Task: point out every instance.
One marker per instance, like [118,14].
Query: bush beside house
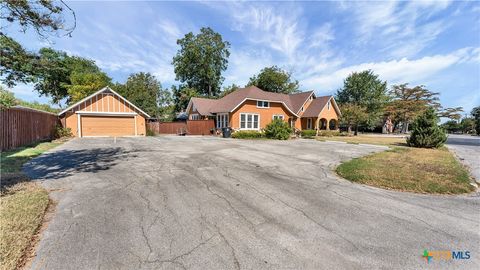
[278,129]
[248,134]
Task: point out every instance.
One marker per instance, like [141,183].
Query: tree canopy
[364,89]
[143,90]
[182,95]
[200,61]
[43,16]
[274,79]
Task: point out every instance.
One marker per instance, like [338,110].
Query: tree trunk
[349,128]
[356,130]
[209,90]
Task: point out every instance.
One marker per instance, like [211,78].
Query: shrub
[426,132]
[150,132]
[278,129]
[308,134]
[248,134]
[61,132]
[328,133]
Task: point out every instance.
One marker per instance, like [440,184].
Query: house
[104,114]
[251,108]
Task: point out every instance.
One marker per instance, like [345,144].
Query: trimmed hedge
[308,134]
[328,133]
[248,134]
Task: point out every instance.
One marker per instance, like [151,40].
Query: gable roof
[105,89]
[230,102]
[317,106]
[299,99]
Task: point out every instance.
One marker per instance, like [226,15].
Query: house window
[301,109]
[222,120]
[195,117]
[309,123]
[249,121]
[263,104]
[328,105]
[278,116]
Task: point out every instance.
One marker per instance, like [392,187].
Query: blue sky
[433,43]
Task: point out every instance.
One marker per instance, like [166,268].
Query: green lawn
[23,205]
[410,169]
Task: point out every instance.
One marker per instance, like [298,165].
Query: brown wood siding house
[104,114]
[251,108]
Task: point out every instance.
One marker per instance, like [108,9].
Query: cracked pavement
[209,203]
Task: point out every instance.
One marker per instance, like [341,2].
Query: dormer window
[263,104]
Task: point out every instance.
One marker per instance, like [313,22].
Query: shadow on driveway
[66,162]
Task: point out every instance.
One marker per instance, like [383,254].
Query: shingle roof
[316,106]
[203,105]
[228,103]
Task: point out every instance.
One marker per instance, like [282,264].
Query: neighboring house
[251,108]
[104,114]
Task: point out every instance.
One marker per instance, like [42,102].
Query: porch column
[328,124]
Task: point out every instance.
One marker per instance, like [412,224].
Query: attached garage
[104,114]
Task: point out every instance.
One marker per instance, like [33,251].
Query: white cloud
[395,71]
[399,28]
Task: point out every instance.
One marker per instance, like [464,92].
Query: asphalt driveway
[209,203]
[467,149]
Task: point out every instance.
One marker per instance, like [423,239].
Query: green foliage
[426,132]
[85,84]
[200,61]
[228,89]
[61,132]
[181,97]
[278,129]
[150,132]
[408,103]
[274,79]
[41,15]
[452,126]
[364,89]
[476,115]
[328,133]
[37,106]
[7,99]
[308,133]
[468,125]
[353,115]
[248,134]
[452,113]
[143,90]
[18,65]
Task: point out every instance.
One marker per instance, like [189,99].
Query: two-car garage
[104,114]
[92,126]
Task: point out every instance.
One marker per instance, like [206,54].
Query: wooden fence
[22,126]
[191,127]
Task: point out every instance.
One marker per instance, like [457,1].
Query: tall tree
[181,97]
[61,76]
[452,113]
[408,103]
[228,89]
[17,64]
[165,105]
[352,115]
[200,61]
[143,90]
[44,16]
[274,79]
[476,116]
[366,90]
